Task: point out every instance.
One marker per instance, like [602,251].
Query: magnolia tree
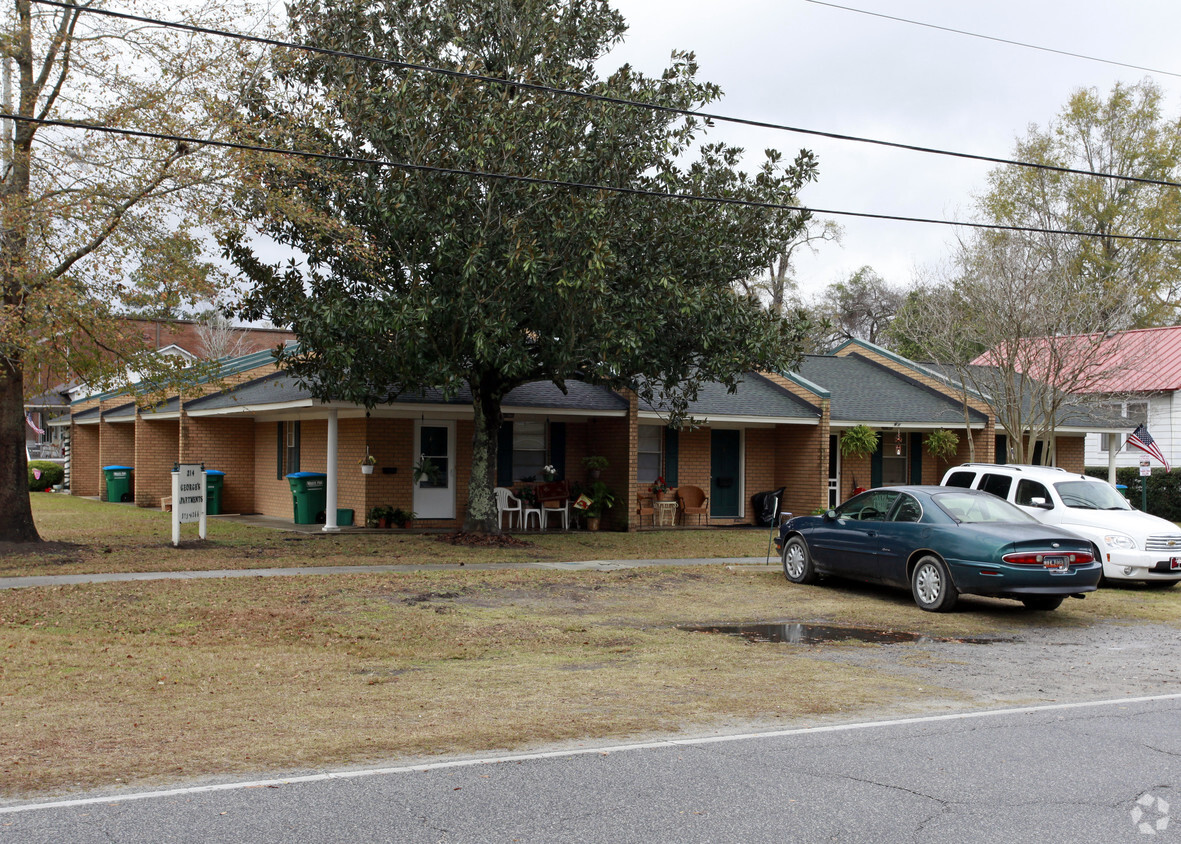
[417,276]
[84,210]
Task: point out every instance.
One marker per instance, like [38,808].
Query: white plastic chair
[563,508]
[506,502]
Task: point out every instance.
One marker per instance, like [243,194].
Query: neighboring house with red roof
[1136,376]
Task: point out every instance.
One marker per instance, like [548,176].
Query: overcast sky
[817,67]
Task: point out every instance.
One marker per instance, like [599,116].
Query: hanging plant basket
[366,468]
[858,441]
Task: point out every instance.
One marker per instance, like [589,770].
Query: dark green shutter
[875,466]
[504,455]
[916,458]
[672,445]
[281,447]
[557,448]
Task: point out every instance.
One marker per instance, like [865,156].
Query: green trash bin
[308,497]
[118,483]
[344,517]
[213,482]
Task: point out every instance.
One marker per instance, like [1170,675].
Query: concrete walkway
[299,571]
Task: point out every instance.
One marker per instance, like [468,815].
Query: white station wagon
[1132,545]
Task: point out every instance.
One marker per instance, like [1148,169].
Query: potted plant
[942,444]
[367,462]
[858,441]
[379,517]
[595,466]
[401,517]
[661,489]
[549,474]
[426,470]
[602,497]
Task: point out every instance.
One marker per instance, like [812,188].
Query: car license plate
[1058,563]
[1174,563]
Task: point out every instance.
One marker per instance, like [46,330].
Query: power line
[534,180]
[992,38]
[534,86]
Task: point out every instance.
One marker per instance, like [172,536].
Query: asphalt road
[1089,772]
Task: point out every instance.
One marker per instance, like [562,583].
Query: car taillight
[1039,559]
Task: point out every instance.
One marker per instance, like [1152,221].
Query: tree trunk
[481,516]
[17,522]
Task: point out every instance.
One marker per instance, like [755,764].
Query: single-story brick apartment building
[256,424]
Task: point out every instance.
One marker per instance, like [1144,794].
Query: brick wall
[1070,453]
[272,496]
[693,466]
[225,444]
[762,472]
[616,438]
[85,477]
[157,448]
[801,461]
[116,447]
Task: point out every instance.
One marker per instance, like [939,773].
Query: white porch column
[1112,439]
[330,484]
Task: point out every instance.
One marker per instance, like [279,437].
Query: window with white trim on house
[1136,412]
[650,439]
[528,450]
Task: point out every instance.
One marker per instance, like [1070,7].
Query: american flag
[1144,441]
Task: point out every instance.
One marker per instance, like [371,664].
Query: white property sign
[188,498]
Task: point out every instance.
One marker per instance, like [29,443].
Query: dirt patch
[483,540]
[50,549]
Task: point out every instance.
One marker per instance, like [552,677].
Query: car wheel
[931,585]
[1042,603]
[797,562]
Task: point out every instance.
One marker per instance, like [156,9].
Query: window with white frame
[528,449]
[1136,412]
[650,440]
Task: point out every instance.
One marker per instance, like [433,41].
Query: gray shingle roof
[281,388]
[757,396]
[123,412]
[864,391]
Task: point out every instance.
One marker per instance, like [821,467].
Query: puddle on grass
[795,633]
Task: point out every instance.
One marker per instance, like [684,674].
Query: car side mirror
[1040,502]
[830,515]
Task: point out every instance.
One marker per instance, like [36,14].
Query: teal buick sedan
[941,542]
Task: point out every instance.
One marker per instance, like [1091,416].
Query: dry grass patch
[138,682]
[89,536]
[142,682]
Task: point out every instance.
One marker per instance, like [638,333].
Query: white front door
[434,469]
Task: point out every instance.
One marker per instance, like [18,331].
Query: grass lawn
[141,683]
[90,536]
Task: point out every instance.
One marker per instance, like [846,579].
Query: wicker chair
[644,508]
[692,501]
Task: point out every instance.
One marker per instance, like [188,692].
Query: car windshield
[1090,496]
[979,509]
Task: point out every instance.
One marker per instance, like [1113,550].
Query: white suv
[1132,545]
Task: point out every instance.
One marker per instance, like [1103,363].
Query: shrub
[51,473]
[1164,490]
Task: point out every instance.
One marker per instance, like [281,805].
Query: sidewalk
[296,571]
